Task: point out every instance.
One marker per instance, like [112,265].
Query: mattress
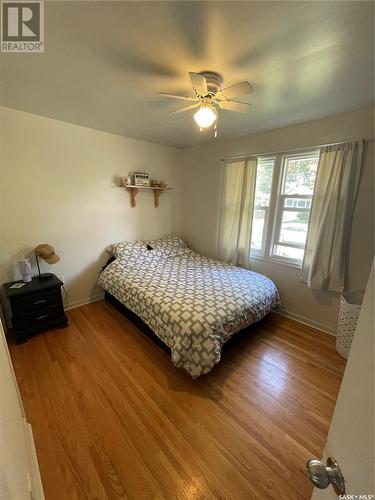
[194,304]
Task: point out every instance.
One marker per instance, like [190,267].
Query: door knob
[323,475]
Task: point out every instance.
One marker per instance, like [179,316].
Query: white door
[351,434]
[19,471]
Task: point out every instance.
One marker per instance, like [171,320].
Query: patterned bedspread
[193,304]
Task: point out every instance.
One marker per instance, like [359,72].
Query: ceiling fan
[210,97]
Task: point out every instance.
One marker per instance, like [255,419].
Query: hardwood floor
[113,418]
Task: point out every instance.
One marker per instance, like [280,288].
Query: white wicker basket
[350,305]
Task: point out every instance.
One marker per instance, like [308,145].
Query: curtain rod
[289,150]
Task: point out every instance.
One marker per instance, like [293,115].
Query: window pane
[298,203]
[258,228]
[294,227]
[288,252]
[300,175]
[263,187]
[264,182]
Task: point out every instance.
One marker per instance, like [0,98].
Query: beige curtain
[331,215]
[236,212]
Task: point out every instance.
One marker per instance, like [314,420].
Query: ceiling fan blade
[183,97]
[242,88]
[186,108]
[240,107]
[199,83]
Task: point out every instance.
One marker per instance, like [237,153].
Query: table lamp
[47,253]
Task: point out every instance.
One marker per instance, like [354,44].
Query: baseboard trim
[305,321]
[83,302]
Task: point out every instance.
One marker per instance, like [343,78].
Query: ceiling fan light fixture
[205,116]
[210,98]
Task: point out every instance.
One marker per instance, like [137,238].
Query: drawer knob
[40,301]
[42,317]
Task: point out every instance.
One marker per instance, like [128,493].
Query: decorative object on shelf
[25,268]
[36,306]
[141,179]
[158,183]
[126,181]
[157,191]
[47,253]
[350,307]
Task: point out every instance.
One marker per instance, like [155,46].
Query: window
[283,199]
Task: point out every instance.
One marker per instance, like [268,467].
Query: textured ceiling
[104,63]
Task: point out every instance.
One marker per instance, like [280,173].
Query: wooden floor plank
[114,419]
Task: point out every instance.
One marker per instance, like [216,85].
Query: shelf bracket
[133,194]
[135,189]
[156,198]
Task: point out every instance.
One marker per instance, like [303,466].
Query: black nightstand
[36,306]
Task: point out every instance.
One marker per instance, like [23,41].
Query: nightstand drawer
[36,318]
[37,301]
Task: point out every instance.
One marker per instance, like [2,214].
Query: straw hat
[47,253]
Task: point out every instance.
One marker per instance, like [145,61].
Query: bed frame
[136,320]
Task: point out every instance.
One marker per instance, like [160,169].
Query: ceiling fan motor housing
[214,81]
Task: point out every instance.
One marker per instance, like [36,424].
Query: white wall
[202,178]
[58,187]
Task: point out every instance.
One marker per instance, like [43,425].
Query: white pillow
[127,248]
[169,242]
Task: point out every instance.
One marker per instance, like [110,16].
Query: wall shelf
[157,192]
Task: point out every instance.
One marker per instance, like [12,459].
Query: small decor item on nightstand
[25,269]
[47,253]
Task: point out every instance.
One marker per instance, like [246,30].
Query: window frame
[271,231]
[260,252]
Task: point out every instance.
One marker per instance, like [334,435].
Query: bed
[192,303]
